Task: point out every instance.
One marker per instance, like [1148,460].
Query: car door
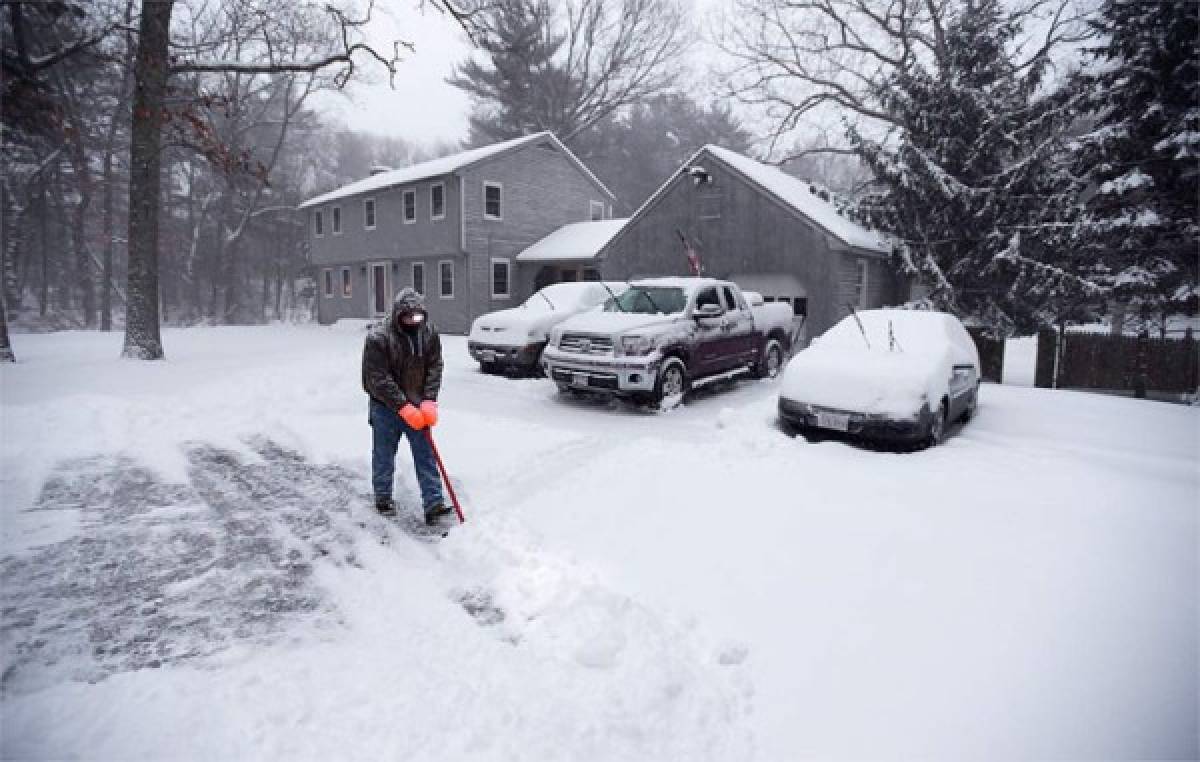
[964,374]
[741,340]
[709,336]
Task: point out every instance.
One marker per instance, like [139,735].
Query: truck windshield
[649,300]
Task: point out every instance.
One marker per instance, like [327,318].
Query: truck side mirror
[708,311]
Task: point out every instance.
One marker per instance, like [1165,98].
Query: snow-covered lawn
[190,569]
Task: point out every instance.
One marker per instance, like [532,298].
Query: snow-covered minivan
[513,339]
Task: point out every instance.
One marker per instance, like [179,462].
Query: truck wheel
[671,385]
[771,362]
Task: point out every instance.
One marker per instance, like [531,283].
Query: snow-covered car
[888,374]
[514,338]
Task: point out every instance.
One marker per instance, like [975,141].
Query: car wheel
[969,412]
[671,384]
[937,426]
[772,360]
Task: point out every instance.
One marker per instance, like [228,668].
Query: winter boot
[385,506]
[435,513]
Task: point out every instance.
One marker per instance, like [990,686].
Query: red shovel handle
[445,478]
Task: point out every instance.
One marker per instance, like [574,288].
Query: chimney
[379,168]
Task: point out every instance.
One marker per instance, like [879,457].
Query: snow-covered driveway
[190,570]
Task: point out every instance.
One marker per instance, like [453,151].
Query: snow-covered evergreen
[972,185]
[1140,157]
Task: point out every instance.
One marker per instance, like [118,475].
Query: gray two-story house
[451,228]
[766,230]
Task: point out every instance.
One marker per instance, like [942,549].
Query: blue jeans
[387,427]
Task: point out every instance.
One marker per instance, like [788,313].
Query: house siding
[736,229]
[542,191]
[392,241]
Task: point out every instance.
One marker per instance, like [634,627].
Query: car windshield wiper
[854,312]
[547,300]
[616,300]
[650,299]
[893,345]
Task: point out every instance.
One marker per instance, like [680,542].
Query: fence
[991,355]
[1118,363]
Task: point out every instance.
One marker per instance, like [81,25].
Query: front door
[379,290]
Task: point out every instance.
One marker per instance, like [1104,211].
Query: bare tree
[828,61]
[331,37]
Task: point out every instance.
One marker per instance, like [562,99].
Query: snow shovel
[445,477]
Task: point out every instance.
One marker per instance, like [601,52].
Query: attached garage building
[766,230]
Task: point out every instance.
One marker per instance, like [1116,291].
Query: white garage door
[780,287]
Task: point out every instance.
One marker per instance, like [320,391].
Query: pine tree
[970,182]
[1141,156]
[519,88]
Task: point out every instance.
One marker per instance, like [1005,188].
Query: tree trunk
[109,245]
[143,340]
[7,249]
[6,352]
[83,262]
[44,292]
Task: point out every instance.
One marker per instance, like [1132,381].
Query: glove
[412,417]
[429,410]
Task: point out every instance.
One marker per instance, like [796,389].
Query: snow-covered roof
[796,193]
[578,240]
[441,166]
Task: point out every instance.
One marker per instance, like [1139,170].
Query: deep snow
[190,570]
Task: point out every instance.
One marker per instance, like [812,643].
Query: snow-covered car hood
[514,326]
[895,384]
[613,323]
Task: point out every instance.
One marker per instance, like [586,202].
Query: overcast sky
[421,107]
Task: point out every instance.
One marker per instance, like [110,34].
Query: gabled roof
[443,166]
[797,194]
[578,240]
[792,192]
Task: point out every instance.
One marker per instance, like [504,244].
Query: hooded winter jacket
[402,366]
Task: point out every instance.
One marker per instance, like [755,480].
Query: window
[346,282]
[337,220]
[596,210]
[328,278]
[731,301]
[318,224]
[500,278]
[446,272]
[418,277]
[862,284]
[708,297]
[369,214]
[410,206]
[437,201]
[591,273]
[491,201]
[710,205]
[379,289]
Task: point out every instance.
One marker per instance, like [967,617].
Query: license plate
[487,355]
[835,421]
[579,379]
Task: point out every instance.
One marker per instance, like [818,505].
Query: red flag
[692,257]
